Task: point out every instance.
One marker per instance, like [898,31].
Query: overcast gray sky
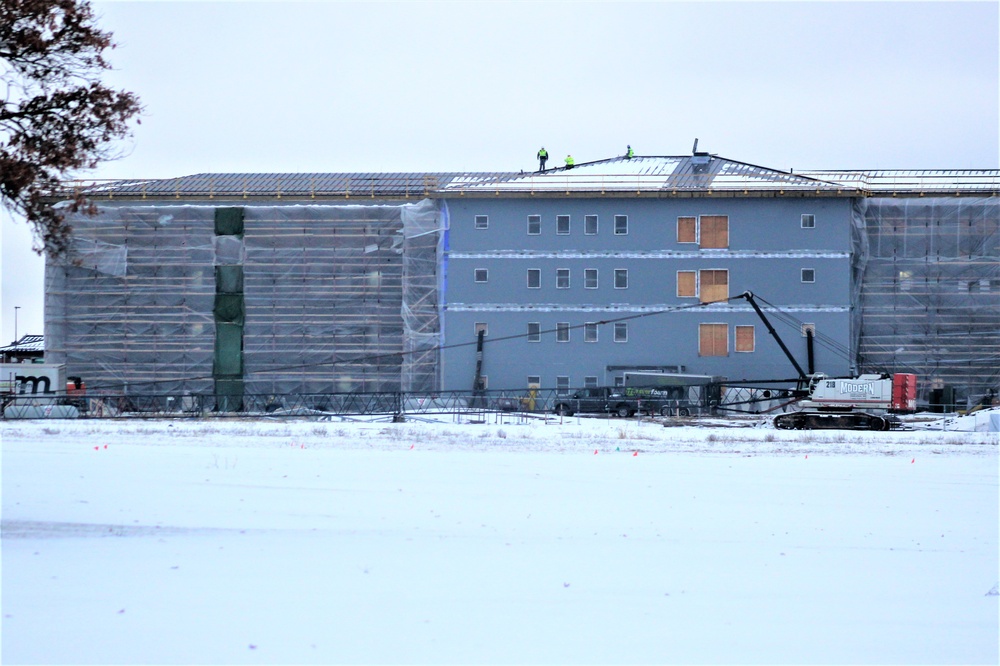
[455,86]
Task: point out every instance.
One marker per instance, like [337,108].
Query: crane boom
[770,329]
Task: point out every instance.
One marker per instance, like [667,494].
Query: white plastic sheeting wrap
[334,294]
[423,239]
[129,309]
[927,279]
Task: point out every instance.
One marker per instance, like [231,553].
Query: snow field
[296,542]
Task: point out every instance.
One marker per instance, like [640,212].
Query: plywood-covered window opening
[745,339]
[711,232]
[687,230]
[713,339]
[714,232]
[687,284]
[714,285]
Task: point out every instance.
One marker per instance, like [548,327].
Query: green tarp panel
[229,279]
[228,221]
[229,312]
[228,350]
[229,394]
[229,309]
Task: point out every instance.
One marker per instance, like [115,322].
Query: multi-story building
[580,289]
[270,283]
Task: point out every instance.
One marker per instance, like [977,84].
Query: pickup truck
[622,401]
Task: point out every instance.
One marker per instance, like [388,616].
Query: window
[562,278]
[590,332]
[534,331]
[562,331]
[562,385]
[808,221]
[714,232]
[687,284]
[620,380]
[713,340]
[482,326]
[534,225]
[744,339]
[590,381]
[482,275]
[482,222]
[714,286]
[562,225]
[621,278]
[590,225]
[590,278]
[534,381]
[621,331]
[687,230]
[621,225]
[710,231]
[808,275]
[534,278]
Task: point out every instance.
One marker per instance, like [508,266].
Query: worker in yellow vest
[629,153]
[570,162]
[543,156]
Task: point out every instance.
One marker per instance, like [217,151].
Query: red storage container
[904,392]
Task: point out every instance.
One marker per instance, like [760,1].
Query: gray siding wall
[762,224]
[768,248]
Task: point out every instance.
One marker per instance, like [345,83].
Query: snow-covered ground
[510,541]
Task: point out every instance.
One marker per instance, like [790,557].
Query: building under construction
[236,284]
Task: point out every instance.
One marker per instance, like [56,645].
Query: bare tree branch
[57,116]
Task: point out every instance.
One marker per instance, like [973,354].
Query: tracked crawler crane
[866,402]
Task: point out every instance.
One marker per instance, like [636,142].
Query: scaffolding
[928,278]
[258,299]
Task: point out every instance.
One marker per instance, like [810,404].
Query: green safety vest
[569,160]
[543,153]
